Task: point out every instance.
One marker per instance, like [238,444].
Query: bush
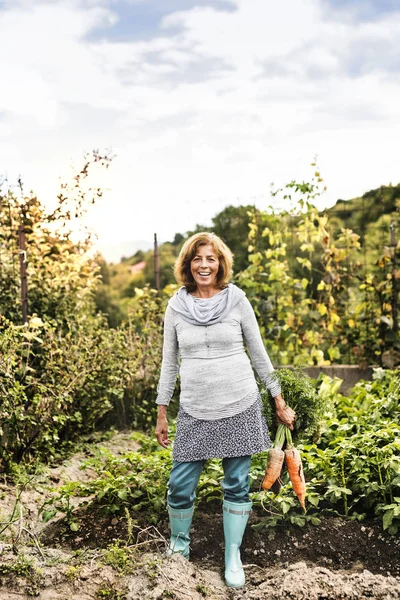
[54,387]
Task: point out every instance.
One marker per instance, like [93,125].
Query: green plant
[22,567]
[63,503]
[133,481]
[203,590]
[301,394]
[108,591]
[354,468]
[318,295]
[119,557]
[73,572]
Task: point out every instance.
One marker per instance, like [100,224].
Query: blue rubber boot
[235,520]
[180,521]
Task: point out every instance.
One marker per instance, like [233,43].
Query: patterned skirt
[241,435]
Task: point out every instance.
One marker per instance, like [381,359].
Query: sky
[204,103]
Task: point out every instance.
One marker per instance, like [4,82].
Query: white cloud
[207,112]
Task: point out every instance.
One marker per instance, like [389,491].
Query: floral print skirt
[241,435]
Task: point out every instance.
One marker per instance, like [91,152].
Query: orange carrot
[295,469]
[275,459]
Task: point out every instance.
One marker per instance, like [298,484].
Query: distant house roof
[137,268]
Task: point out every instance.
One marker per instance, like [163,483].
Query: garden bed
[121,556]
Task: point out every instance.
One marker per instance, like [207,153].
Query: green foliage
[66,372]
[22,567]
[135,480]
[108,591]
[61,274]
[317,298]
[140,356]
[374,401]
[120,282]
[359,214]
[353,469]
[57,375]
[324,284]
[54,386]
[118,557]
[203,590]
[301,394]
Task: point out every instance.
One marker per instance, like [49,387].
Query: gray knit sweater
[217,379]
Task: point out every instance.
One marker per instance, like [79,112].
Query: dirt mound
[185,581]
[157,577]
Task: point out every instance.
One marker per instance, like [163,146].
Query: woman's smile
[204,267]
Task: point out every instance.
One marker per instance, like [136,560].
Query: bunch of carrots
[291,456]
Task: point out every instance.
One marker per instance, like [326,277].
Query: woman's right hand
[162,427]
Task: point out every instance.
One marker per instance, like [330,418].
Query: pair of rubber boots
[235,520]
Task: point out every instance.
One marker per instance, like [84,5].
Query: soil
[334,544]
[338,559]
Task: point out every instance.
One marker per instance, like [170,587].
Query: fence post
[156,264]
[22,266]
[394,278]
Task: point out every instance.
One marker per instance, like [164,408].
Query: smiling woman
[204,265]
[204,270]
[207,323]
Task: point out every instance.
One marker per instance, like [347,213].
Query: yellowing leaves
[304,262]
[307,247]
[314,338]
[318,357]
[290,320]
[35,323]
[334,353]
[277,271]
[334,317]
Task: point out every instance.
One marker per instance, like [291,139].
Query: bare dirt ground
[338,559]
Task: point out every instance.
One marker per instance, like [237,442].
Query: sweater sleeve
[258,354]
[170,362]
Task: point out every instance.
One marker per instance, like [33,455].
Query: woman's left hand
[284,413]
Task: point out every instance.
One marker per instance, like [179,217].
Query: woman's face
[204,267]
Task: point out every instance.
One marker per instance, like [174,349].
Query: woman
[206,325]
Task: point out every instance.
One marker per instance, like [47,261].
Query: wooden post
[22,266]
[395,295]
[156,264]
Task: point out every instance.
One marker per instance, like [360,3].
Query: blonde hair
[182,271]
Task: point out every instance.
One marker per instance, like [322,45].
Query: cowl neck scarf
[206,311]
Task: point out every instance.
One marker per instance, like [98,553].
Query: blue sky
[141,21]
[365,10]
[204,103]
